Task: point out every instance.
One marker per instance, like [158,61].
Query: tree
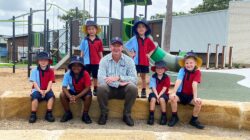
[168,26]
[211,5]
[161,16]
[74,14]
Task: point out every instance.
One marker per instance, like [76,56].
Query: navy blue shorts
[164,96]
[184,99]
[37,95]
[92,70]
[142,69]
[83,97]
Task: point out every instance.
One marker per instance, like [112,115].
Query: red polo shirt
[95,47]
[145,47]
[188,80]
[45,77]
[82,83]
[161,83]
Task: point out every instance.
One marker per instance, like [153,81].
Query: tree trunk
[168,26]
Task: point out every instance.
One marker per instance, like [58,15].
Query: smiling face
[43,62]
[91,30]
[190,63]
[141,29]
[160,70]
[76,68]
[116,49]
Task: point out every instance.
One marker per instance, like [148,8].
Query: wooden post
[216,56]
[230,57]
[223,57]
[208,55]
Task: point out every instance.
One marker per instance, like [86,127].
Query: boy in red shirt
[141,48]
[185,90]
[92,50]
[159,83]
[76,85]
[42,78]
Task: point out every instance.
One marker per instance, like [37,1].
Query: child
[78,81]
[141,48]
[92,50]
[159,83]
[185,90]
[42,78]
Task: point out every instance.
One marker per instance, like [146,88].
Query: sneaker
[66,117]
[197,124]
[32,118]
[143,93]
[151,120]
[173,121]
[49,117]
[103,119]
[163,120]
[86,118]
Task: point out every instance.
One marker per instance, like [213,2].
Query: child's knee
[153,100]
[162,100]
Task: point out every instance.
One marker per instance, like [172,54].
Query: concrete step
[215,113]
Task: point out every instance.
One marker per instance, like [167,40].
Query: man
[117,80]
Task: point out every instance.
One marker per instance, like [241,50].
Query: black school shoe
[174,119]
[151,120]
[103,119]
[49,117]
[143,93]
[94,92]
[197,124]
[128,120]
[86,118]
[163,120]
[66,117]
[32,118]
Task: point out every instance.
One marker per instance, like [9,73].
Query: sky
[10,8]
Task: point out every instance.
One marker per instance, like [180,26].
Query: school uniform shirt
[141,47]
[188,78]
[76,85]
[91,50]
[159,84]
[42,77]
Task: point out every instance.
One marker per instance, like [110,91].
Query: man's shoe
[103,119]
[86,118]
[143,93]
[197,124]
[163,120]
[66,117]
[173,121]
[49,117]
[32,118]
[128,120]
[151,120]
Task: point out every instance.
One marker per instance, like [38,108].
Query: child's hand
[72,99]
[132,54]
[197,101]
[123,83]
[43,93]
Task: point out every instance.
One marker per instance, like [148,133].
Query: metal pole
[135,10]
[110,21]
[45,18]
[14,46]
[122,18]
[230,57]
[208,55]
[146,11]
[83,11]
[29,44]
[48,46]
[95,11]
[71,37]
[67,37]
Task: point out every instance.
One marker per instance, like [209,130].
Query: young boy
[141,48]
[185,90]
[159,83]
[42,78]
[92,50]
[78,81]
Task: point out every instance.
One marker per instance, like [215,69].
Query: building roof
[139,2]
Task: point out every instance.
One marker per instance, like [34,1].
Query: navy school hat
[74,60]
[44,55]
[145,23]
[159,64]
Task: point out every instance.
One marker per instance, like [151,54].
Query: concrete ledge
[216,113]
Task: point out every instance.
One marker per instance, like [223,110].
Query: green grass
[2,65]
